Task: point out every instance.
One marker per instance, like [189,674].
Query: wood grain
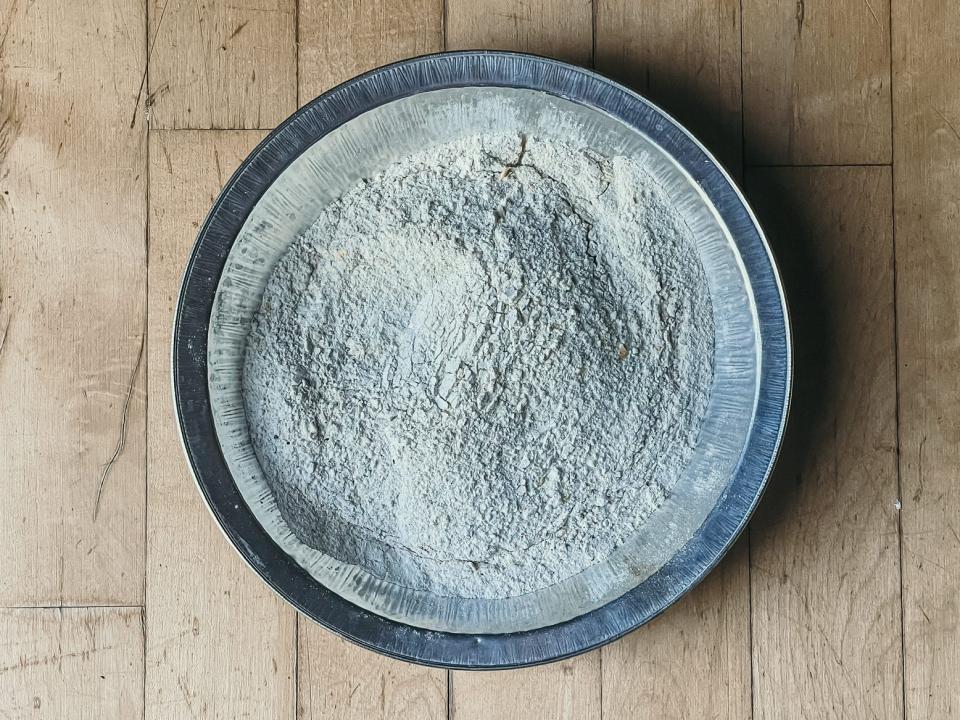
[926,45]
[343,681]
[816,81]
[685,56]
[568,690]
[72,270]
[219,642]
[558,28]
[339,40]
[221,64]
[691,662]
[78,663]
[825,565]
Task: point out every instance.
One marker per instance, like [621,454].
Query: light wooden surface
[219,642]
[825,577]
[119,122]
[685,56]
[816,81]
[221,64]
[83,663]
[926,200]
[559,28]
[343,38]
[340,680]
[691,662]
[72,280]
[566,690]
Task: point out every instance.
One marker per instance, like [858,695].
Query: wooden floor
[121,119]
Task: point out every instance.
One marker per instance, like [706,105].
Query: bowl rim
[474,68]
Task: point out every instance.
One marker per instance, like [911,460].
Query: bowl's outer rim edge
[423,652]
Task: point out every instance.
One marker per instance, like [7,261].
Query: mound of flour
[479,372]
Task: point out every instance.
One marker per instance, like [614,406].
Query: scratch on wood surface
[146,65]
[3,333]
[919,492]
[166,155]
[143,630]
[182,684]
[152,97]
[56,657]
[203,43]
[267,10]
[811,625]
[237,31]
[925,559]
[216,159]
[515,17]
[8,24]
[948,123]
[872,13]
[61,573]
[123,425]
[9,120]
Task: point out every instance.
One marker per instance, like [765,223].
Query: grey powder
[479,372]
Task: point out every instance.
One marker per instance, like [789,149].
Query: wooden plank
[343,681]
[693,661]
[83,663]
[219,642]
[568,690]
[816,81]
[926,44]
[557,28]
[72,271]
[825,565]
[685,56]
[221,64]
[339,40]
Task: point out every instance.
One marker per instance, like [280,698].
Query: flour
[479,372]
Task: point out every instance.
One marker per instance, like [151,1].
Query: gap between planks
[71,607]
[761,166]
[896,365]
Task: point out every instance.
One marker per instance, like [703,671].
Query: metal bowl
[352,132]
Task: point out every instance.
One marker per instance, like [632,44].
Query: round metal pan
[434,631]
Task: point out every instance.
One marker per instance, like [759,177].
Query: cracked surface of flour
[480,371]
